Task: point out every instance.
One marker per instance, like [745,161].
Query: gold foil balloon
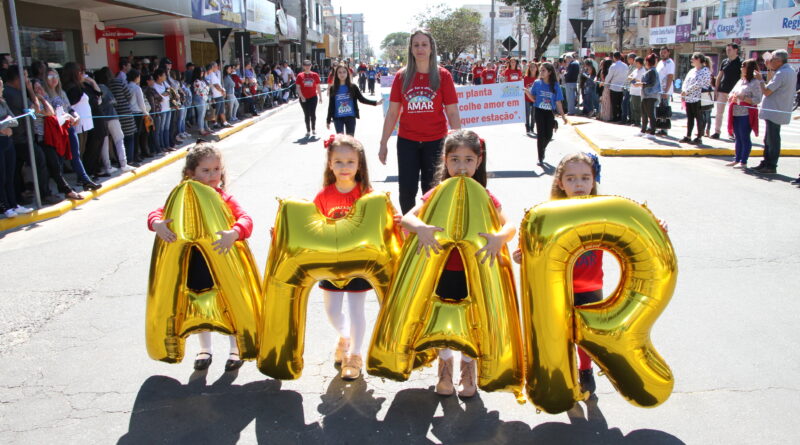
[308,247]
[485,325]
[231,306]
[614,332]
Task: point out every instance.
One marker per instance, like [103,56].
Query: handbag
[663,111]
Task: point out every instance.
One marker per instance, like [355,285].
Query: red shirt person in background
[531,74]
[512,73]
[308,90]
[477,70]
[489,75]
[424,99]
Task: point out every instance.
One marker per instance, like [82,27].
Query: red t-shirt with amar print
[335,204]
[454,261]
[422,116]
[476,71]
[512,75]
[587,275]
[308,84]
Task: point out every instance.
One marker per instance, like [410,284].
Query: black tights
[693,113]
[545,121]
[310,112]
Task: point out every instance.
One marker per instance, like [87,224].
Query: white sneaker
[19,210]
[308,135]
[10,213]
[112,170]
[127,169]
[314,133]
[650,136]
[640,135]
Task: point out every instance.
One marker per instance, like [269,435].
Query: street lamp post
[491,32]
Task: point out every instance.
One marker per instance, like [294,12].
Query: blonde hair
[555,191]
[200,151]
[362,174]
[411,67]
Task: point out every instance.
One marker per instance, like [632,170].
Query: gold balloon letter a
[308,247]
[485,325]
[614,332]
[231,306]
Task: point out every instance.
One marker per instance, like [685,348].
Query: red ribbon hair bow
[327,143]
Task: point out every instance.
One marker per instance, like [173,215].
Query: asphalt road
[74,366]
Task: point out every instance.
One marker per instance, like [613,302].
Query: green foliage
[395,46]
[454,30]
[543,20]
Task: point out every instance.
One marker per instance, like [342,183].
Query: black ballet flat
[201,364]
[89,185]
[233,365]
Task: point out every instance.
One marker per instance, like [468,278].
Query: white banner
[386,81]
[730,28]
[662,35]
[492,104]
[261,16]
[775,23]
[482,105]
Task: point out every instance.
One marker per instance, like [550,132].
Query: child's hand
[491,251]
[163,232]
[517,256]
[663,225]
[225,242]
[396,218]
[427,239]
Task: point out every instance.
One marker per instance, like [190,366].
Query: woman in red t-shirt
[308,90]
[531,74]
[489,75]
[512,73]
[477,70]
[424,99]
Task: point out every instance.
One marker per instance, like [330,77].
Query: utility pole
[341,35]
[491,32]
[519,31]
[303,29]
[620,23]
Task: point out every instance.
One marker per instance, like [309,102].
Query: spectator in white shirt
[666,74]
[615,80]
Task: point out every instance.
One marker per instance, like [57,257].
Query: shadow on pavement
[769,178]
[165,411]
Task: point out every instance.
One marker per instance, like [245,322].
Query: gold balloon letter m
[614,332]
[231,306]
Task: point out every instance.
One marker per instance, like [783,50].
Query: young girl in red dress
[204,164]
[345,180]
[464,153]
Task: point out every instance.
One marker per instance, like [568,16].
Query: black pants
[55,169]
[345,125]
[23,156]
[530,122]
[616,105]
[362,83]
[693,114]
[310,112]
[415,158]
[371,83]
[94,145]
[545,121]
[452,285]
[581,298]
[649,113]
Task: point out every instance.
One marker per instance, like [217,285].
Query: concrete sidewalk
[609,139]
[120,179]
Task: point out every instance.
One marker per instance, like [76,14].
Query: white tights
[205,343]
[358,321]
[446,354]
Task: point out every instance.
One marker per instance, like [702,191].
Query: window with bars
[697,15]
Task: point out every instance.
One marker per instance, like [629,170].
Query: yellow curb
[674,152]
[67,205]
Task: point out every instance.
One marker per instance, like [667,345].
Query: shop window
[711,14]
[684,13]
[51,45]
[697,14]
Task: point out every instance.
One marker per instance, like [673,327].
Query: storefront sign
[113,33]
[776,23]
[730,28]
[683,33]
[229,12]
[662,35]
[261,16]
[293,27]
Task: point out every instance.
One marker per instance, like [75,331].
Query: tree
[395,46]
[543,20]
[455,31]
